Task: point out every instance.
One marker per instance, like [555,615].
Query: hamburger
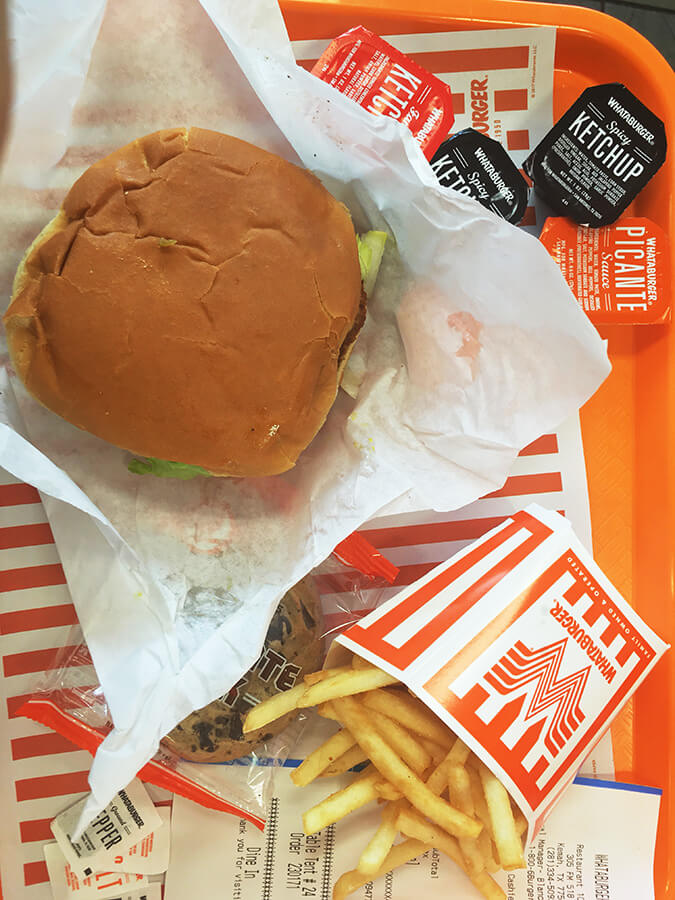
[293,648]
[194,301]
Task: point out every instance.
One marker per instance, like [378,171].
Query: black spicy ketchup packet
[477,166]
[598,156]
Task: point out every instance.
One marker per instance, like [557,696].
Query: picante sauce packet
[619,273]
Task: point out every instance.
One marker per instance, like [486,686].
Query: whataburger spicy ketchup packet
[386,82]
[522,646]
[597,158]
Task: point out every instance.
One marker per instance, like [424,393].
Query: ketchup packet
[617,273]
[478,166]
[597,158]
[522,647]
[386,82]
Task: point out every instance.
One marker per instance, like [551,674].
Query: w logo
[536,672]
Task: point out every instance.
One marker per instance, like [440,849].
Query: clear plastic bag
[70,700]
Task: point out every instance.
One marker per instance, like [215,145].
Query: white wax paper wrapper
[473,347]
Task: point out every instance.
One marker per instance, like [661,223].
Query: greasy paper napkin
[473,347]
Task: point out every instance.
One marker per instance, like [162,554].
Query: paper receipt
[598,844]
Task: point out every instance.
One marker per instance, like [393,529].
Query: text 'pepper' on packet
[522,646]
[116,871]
[125,821]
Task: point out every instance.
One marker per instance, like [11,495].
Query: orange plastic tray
[629,425]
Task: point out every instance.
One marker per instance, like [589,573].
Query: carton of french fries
[465,704]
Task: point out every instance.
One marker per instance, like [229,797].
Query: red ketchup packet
[386,82]
[617,273]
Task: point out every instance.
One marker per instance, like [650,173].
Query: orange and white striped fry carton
[522,646]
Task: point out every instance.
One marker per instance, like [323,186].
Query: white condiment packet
[67,884]
[126,820]
[150,856]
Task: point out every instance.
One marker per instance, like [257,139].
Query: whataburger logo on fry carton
[522,646]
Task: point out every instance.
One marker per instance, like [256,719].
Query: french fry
[358,662]
[344,684]
[397,856]
[485,838]
[479,802]
[327,711]
[354,717]
[487,886]
[519,819]
[410,712]
[475,864]
[435,751]
[405,744]
[485,845]
[437,781]
[413,758]
[323,674]
[386,791]
[273,708]
[380,844]
[507,839]
[322,757]
[344,763]
[341,803]
[412,824]
[459,753]
[459,789]
[447,741]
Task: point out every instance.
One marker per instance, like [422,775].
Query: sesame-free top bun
[194,300]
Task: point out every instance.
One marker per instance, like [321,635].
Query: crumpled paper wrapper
[473,347]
